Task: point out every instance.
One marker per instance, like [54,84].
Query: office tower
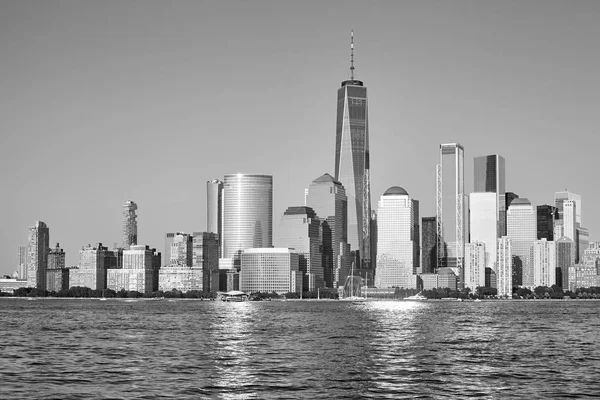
[247,213]
[546,215]
[452,209]
[129,224]
[181,250]
[559,229]
[484,223]
[428,245]
[504,263]
[22,263]
[490,177]
[373,247]
[397,240]
[91,271]
[510,196]
[299,230]
[475,264]
[561,197]
[57,275]
[544,263]
[352,164]
[564,260]
[582,236]
[137,272]
[214,203]
[569,214]
[37,255]
[169,237]
[327,197]
[270,270]
[206,258]
[522,230]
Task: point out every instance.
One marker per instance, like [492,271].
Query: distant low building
[445,278]
[10,285]
[270,270]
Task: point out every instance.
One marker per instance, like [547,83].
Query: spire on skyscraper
[352,55]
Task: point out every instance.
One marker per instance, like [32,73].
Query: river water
[143,349]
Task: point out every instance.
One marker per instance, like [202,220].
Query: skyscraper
[544,263]
[560,197]
[37,255]
[428,245]
[352,164]
[22,263]
[206,258]
[129,224]
[489,177]
[397,240]
[299,230]
[546,215]
[484,224]
[564,261]
[475,260]
[247,213]
[504,275]
[214,203]
[452,209]
[57,276]
[327,197]
[522,230]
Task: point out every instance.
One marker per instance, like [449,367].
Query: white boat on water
[477,300]
[417,296]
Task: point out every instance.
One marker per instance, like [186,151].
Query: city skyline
[510,117]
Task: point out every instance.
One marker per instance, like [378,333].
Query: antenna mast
[352,55]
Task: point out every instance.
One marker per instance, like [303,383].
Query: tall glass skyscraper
[484,224]
[352,161]
[247,213]
[428,245]
[452,208]
[327,197]
[522,230]
[489,176]
[214,208]
[546,215]
[559,199]
[397,240]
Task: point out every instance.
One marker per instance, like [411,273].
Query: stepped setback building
[37,255]
[130,233]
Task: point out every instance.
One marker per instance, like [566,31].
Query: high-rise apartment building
[270,270]
[37,255]
[247,213]
[181,250]
[206,258]
[130,233]
[397,240]
[214,207]
[522,230]
[352,165]
[546,215]
[561,197]
[92,267]
[564,260]
[583,241]
[484,223]
[544,263]
[475,264]
[299,230]
[138,270]
[490,177]
[504,264]
[428,245]
[22,263]
[57,275]
[327,197]
[452,209]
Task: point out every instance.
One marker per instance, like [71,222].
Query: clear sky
[107,101]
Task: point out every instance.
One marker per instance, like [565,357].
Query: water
[80,349]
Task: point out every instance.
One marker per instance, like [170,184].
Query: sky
[104,102]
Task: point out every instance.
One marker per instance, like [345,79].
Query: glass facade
[564,261]
[397,240]
[484,224]
[428,245]
[299,230]
[452,209]
[214,192]
[352,167]
[560,197]
[247,213]
[522,230]
[490,176]
[327,197]
[37,255]
[546,215]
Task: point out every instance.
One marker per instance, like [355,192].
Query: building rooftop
[300,210]
[395,191]
[521,201]
[326,178]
